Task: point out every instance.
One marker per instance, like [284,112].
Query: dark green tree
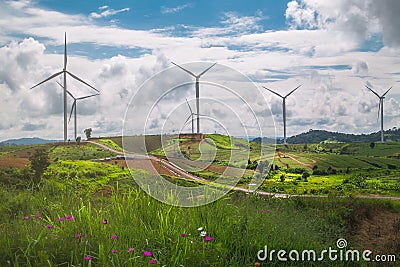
[39,163]
[88,132]
[372,145]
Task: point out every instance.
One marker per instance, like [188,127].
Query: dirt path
[182,173]
[309,166]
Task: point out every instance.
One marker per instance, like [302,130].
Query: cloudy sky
[332,48]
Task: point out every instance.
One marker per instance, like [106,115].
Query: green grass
[142,223]
[91,192]
[110,143]
[78,152]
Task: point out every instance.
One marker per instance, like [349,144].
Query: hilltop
[27,141]
[318,136]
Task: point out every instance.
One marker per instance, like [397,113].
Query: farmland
[90,213]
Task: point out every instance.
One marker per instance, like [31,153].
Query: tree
[372,145]
[88,132]
[305,176]
[39,163]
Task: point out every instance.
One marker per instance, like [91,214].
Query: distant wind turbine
[380,108]
[65,72]
[73,109]
[190,116]
[197,90]
[284,108]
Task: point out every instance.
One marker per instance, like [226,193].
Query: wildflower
[61,219]
[184,235]
[203,233]
[200,229]
[69,218]
[78,235]
[26,217]
[50,226]
[228,258]
[268,211]
[131,249]
[37,216]
[208,238]
[147,254]
[113,236]
[257,263]
[114,251]
[104,222]
[88,258]
[152,261]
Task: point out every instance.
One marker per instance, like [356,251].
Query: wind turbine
[284,109]
[380,108]
[73,108]
[65,72]
[190,116]
[197,90]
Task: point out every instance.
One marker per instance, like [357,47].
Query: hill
[27,141]
[318,136]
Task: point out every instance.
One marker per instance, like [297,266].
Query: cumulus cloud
[356,20]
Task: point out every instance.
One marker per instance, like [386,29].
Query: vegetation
[318,136]
[86,213]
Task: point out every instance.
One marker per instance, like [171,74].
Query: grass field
[86,213]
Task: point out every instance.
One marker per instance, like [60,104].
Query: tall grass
[240,225]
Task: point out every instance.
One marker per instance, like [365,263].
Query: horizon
[188,133]
[332,49]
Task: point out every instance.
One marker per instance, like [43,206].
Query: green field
[86,213]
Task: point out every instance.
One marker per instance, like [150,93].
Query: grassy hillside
[92,214]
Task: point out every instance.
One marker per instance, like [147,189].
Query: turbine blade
[372,91]
[379,109]
[84,97]
[273,92]
[60,85]
[188,118]
[207,70]
[68,92]
[72,110]
[65,51]
[189,106]
[51,77]
[191,73]
[293,91]
[79,79]
[387,91]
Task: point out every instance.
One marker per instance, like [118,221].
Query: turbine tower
[284,109]
[73,108]
[190,116]
[380,108]
[197,90]
[65,72]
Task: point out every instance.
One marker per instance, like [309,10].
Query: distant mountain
[318,136]
[27,141]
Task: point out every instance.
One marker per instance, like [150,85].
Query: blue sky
[333,48]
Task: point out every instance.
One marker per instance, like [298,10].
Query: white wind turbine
[380,108]
[284,108]
[190,116]
[197,86]
[73,108]
[65,72]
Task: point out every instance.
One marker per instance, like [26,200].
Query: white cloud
[173,10]
[332,97]
[107,12]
